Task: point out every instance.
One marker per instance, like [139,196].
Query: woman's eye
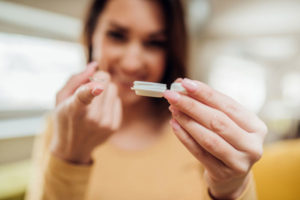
[155,44]
[117,36]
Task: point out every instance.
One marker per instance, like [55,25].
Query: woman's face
[129,42]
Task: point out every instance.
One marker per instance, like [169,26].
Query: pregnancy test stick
[151,89]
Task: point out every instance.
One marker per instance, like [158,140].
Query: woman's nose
[132,59]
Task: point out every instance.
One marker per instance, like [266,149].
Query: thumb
[75,82]
[86,93]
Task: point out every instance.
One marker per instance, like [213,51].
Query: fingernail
[174,124]
[92,65]
[96,91]
[171,96]
[175,112]
[178,80]
[189,84]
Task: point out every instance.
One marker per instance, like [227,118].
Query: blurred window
[242,79]
[33,69]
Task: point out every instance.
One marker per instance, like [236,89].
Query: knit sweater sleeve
[53,178]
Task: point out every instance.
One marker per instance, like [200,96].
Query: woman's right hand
[86,114]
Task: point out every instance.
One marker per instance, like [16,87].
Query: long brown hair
[175,32]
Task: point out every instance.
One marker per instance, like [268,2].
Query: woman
[108,143]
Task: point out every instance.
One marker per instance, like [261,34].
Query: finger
[75,82]
[86,93]
[178,80]
[210,141]
[117,114]
[244,118]
[110,95]
[102,77]
[81,78]
[209,162]
[96,111]
[210,118]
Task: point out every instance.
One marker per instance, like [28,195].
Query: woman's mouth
[125,83]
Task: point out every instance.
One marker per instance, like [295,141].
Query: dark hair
[175,31]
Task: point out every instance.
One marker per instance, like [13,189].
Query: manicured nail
[175,112]
[96,91]
[171,96]
[174,124]
[189,84]
[92,66]
[178,80]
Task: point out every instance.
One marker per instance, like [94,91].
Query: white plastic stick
[151,89]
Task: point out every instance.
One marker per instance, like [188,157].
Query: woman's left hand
[225,137]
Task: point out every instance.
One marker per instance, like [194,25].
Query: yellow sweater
[166,170]
[277,174]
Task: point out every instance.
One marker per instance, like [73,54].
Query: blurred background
[249,50]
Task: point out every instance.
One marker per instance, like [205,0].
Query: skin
[225,137]
[129,45]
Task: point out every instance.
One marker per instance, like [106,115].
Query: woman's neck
[139,128]
[138,112]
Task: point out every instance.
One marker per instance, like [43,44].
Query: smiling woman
[158,35]
[105,142]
